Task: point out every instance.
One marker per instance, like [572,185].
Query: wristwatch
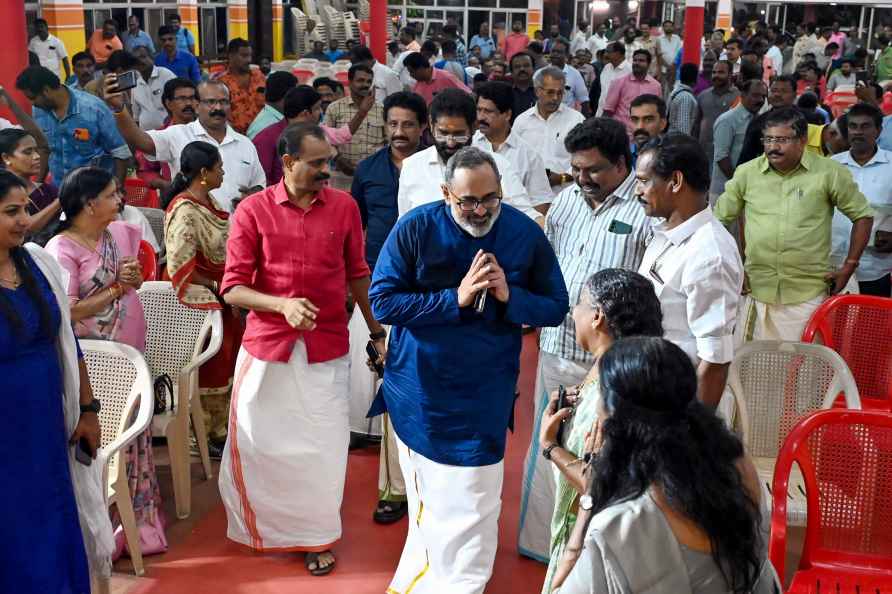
[546,453]
[586,502]
[93,407]
[378,335]
[566,178]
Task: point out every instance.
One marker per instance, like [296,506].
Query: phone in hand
[480,298]
[561,403]
[372,351]
[126,81]
[83,453]
[862,76]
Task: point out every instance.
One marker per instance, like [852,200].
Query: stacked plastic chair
[138,193]
[845,459]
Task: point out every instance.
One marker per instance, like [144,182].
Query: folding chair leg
[178,448]
[128,523]
[201,436]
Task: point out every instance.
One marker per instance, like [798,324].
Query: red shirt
[440,79]
[513,43]
[279,249]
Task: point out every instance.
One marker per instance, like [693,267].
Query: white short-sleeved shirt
[423,173]
[6,124]
[698,275]
[148,109]
[240,162]
[526,162]
[386,82]
[50,53]
[548,135]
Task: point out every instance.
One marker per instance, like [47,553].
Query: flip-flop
[312,558]
[389,512]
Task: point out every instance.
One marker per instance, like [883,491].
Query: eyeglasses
[471,204]
[781,140]
[451,138]
[220,102]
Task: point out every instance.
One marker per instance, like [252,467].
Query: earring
[204,181]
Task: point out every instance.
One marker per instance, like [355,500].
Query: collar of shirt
[73,106]
[280,195]
[556,115]
[480,139]
[198,130]
[680,233]
[878,158]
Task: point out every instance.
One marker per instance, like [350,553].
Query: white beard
[475,230]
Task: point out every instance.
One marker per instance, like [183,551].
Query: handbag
[163,387]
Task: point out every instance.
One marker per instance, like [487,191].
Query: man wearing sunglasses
[456,280]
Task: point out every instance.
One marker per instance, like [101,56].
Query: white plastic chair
[155,216]
[179,340]
[775,384]
[122,383]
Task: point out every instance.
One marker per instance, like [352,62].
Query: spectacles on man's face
[220,102]
[457,139]
[781,140]
[185,98]
[472,203]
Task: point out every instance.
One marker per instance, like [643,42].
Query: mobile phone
[372,351]
[862,76]
[561,403]
[126,81]
[83,453]
[480,298]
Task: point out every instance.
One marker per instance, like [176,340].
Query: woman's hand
[130,273]
[551,421]
[88,428]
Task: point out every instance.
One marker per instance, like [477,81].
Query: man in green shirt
[787,197]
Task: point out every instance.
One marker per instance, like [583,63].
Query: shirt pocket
[327,245]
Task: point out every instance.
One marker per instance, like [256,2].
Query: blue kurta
[42,549]
[451,373]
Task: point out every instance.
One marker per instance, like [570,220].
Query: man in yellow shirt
[787,197]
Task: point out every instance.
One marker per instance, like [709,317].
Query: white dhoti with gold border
[283,469]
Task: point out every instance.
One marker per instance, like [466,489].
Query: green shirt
[788,219]
[268,116]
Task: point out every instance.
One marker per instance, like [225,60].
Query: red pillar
[15,40]
[378,19]
[694,14]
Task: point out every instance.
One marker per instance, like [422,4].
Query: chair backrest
[139,193]
[122,383]
[148,261]
[858,327]
[775,384]
[155,216]
[846,462]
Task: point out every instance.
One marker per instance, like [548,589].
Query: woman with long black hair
[20,154]
[673,503]
[53,507]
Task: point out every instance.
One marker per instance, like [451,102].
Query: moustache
[641,132]
[218,113]
[188,110]
[322,176]
[774,154]
[399,139]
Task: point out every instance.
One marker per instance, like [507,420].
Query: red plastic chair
[859,327]
[304,75]
[148,261]
[138,193]
[846,462]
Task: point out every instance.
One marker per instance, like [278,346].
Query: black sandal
[389,512]
[313,558]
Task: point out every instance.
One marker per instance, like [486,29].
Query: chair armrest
[144,396]
[213,324]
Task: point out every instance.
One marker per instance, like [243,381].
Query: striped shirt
[613,235]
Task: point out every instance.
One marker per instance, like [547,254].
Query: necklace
[14,282]
[203,201]
[83,242]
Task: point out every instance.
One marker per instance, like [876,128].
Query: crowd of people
[644,216]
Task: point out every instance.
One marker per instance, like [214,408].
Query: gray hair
[551,72]
[469,157]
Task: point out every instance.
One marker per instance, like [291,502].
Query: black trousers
[882,287]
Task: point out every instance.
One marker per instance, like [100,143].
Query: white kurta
[363,381]
[283,469]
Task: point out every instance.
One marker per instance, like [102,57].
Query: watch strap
[93,407]
[546,453]
[378,335]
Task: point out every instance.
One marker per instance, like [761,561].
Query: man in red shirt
[103,42]
[516,41]
[293,250]
[430,80]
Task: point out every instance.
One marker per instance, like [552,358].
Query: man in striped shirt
[594,224]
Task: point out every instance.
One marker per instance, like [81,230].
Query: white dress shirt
[668,46]
[698,275]
[595,43]
[579,42]
[50,53]
[240,162]
[402,72]
[608,74]
[423,173]
[134,216]
[777,57]
[526,162]
[386,82]
[873,180]
[548,135]
[148,109]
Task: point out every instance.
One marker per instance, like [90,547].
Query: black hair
[451,30]
[520,55]
[196,155]
[499,93]
[407,100]
[174,17]
[535,47]
[36,79]
[859,109]
[628,301]
[110,22]
[408,30]
[361,53]
[277,84]
[658,434]
[416,60]
[787,116]
[300,99]
[688,74]
[82,56]
[453,102]
[430,47]
[79,187]
[607,135]
[324,81]
[236,44]
[617,47]
[449,46]
[292,138]
[351,74]
[649,99]
[682,153]
[41,22]
[120,60]
[165,30]
[642,52]
[749,71]
[10,139]
[171,87]
[735,41]
[807,101]
[23,266]
[831,46]
[747,84]
[847,60]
